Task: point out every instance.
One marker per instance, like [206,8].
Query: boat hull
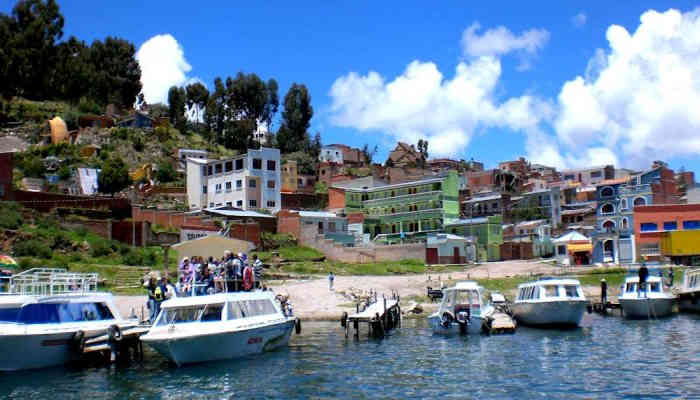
[689,302]
[643,308]
[474,326]
[23,351]
[564,313]
[222,345]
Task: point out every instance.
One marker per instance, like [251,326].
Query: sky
[566,84]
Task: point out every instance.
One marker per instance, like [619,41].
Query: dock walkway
[381,316]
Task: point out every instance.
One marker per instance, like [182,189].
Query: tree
[176,108]
[296,119]
[166,172]
[315,146]
[114,176]
[369,155]
[117,77]
[28,47]
[423,152]
[197,97]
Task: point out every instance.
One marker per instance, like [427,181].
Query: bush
[132,258]
[100,249]
[271,241]
[149,258]
[166,173]
[76,257]
[32,248]
[89,106]
[10,217]
[61,241]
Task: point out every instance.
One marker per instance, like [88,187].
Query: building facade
[331,154]
[487,232]
[651,222]
[250,181]
[589,176]
[410,208]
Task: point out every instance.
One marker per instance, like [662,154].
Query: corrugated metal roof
[317,214]
[237,213]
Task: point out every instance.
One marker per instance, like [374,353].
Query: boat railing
[50,281]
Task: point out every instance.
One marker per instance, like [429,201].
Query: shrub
[76,257]
[61,241]
[10,217]
[89,106]
[149,258]
[100,249]
[132,258]
[32,248]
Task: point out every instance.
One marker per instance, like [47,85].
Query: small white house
[573,248]
[445,248]
[331,154]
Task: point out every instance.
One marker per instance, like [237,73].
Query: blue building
[613,238]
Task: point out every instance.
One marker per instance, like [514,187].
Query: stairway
[129,277]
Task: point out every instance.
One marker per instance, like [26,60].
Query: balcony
[423,214]
[636,189]
[422,196]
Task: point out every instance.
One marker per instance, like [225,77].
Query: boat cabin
[550,289]
[464,296]
[691,280]
[216,308]
[55,311]
[654,284]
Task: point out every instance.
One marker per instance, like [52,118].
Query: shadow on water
[609,357]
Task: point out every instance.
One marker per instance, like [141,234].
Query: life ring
[248,278]
[114,333]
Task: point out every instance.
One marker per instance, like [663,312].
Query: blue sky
[317,43]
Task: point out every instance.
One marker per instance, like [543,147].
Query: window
[228,167]
[654,287]
[204,189]
[204,170]
[239,203]
[257,163]
[299,182]
[228,187]
[606,192]
[218,168]
[252,183]
[253,203]
[218,188]
[571,291]
[670,226]
[608,226]
[271,204]
[596,174]
[607,209]
[229,204]
[209,170]
[550,291]
[182,315]
[211,205]
[45,313]
[270,184]
[239,184]
[639,201]
[649,227]
[239,164]
[271,165]
[691,224]
[623,204]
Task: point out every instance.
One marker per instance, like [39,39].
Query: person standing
[258,270]
[643,275]
[670,276]
[603,292]
[331,277]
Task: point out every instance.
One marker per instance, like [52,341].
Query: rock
[414,308]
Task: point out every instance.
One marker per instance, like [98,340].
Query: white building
[261,133]
[184,154]
[250,181]
[331,154]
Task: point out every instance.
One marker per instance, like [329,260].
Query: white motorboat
[689,294]
[220,326]
[462,310]
[550,302]
[651,301]
[47,314]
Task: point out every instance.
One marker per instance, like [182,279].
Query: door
[455,256]
[431,255]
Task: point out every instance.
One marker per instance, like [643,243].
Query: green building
[406,210]
[487,231]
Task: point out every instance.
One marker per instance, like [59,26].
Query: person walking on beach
[331,277]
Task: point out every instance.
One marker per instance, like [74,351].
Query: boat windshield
[54,313]
[198,313]
[571,291]
[631,287]
[467,297]
[654,287]
[550,290]
[250,308]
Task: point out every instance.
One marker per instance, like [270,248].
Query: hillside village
[441,211]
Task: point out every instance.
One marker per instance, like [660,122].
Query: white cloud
[578,20]
[500,41]
[421,103]
[639,100]
[163,65]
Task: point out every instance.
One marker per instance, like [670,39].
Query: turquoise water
[612,358]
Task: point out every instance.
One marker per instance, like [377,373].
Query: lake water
[612,358]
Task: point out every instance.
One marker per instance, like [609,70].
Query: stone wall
[337,252]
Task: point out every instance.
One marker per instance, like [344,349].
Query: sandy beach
[312,299]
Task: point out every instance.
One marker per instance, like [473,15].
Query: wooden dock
[381,316]
[500,322]
[603,309]
[114,346]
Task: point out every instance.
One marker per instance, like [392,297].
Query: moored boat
[651,301]
[689,294]
[550,302]
[462,310]
[47,315]
[220,326]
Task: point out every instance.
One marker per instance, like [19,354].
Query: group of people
[198,276]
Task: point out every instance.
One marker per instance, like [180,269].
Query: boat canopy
[216,299]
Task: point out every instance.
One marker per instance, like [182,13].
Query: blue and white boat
[46,315]
[650,302]
[550,302]
[462,310]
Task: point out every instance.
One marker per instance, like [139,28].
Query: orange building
[650,222]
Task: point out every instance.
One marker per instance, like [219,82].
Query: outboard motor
[463,320]
[447,319]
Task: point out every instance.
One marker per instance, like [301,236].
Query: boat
[652,302]
[689,294]
[220,326]
[550,302]
[462,310]
[47,314]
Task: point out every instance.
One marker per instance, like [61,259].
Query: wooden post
[166,249]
